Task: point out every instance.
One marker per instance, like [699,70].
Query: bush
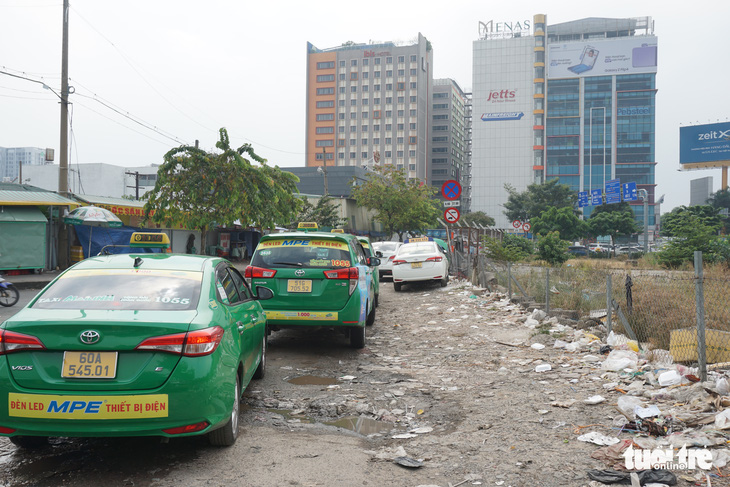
[552,249]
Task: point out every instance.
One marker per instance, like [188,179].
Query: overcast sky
[191,67]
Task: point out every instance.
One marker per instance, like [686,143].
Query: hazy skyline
[189,68]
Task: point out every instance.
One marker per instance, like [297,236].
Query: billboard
[704,143]
[626,55]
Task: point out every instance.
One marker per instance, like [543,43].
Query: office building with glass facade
[590,116]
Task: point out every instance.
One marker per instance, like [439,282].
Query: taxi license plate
[89,365]
[416,265]
[299,286]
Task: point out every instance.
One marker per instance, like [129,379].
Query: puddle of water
[363,425]
[312,380]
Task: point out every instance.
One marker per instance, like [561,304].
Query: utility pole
[136,183]
[644,195]
[63,162]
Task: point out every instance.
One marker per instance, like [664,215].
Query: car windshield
[419,248]
[123,289]
[305,252]
[386,246]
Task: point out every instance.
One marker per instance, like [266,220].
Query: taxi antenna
[138,261]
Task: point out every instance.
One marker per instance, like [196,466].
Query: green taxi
[318,279]
[368,248]
[141,344]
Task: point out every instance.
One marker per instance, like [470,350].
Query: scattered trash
[404,436]
[560,344]
[595,400]
[537,346]
[670,378]
[563,404]
[613,455]
[408,462]
[422,430]
[543,368]
[722,420]
[649,412]
[619,360]
[605,349]
[598,439]
[722,386]
[348,377]
[659,476]
[627,406]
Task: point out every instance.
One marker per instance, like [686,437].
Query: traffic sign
[451,189]
[630,193]
[526,227]
[583,199]
[613,191]
[452,215]
[448,204]
[596,197]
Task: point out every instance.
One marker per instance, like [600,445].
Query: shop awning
[26,195]
[118,206]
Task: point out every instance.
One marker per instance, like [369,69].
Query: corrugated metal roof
[30,198]
[106,200]
[21,214]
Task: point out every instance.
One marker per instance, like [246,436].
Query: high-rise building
[700,190]
[573,101]
[450,137]
[368,104]
[11,158]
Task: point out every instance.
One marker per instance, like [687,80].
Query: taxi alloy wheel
[226,436]
[261,369]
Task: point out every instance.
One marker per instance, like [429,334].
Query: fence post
[609,307]
[547,290]
[700,300]
[509,280]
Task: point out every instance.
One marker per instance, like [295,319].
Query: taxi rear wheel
[371,317]
[445,281]
[261,369]
[397,286]
[29,442]
[357,336]
[226,436]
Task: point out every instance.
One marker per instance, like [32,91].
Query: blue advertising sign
[613,191]
[583,199]
[630,193]
[596,197]
[704,143]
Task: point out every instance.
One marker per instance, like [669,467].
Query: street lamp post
[324,170]
[644,195]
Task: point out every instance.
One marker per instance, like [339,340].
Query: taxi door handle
[241,326]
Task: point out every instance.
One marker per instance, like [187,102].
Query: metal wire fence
[686,314]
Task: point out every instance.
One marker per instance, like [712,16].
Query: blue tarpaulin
[102,236]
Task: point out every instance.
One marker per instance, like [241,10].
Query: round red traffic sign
[451,189]
[517,224]
[452,215]
[526,227]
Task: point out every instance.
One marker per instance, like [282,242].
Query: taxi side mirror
[373,261]
[263,293]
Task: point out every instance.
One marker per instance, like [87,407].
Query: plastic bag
[628,404]
[670,378]
[619,360]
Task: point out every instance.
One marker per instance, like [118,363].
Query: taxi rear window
[123,289]
[305,253]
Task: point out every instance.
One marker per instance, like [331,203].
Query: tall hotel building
[368,104]
[573,101]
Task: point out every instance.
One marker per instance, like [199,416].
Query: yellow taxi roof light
[338,230]
[149,240]
[305,226]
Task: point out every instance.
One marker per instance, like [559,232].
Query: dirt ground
[446,383]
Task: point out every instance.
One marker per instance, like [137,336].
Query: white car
[388,250]
[420,261]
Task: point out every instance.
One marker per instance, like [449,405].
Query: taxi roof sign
[308,226]
[149,240]
[338,230]
[418,239]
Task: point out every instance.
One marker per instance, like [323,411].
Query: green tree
[689,235]
[674,223]
[478,218]
[537,198]
[511,248]
[614,220]
[400,204]
[196,189]
[552,249]
[562,220]
[324,213]
[721,200]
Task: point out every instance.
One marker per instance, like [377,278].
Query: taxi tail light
[17,342]
[6,431]
[191,344]
[190,428]
[260,272]
[399,261]
[350,273]
[435,259]
[391,257]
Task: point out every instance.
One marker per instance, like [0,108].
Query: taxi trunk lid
[308,289]
[119,332]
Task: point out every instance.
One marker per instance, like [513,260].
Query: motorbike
[9,294]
